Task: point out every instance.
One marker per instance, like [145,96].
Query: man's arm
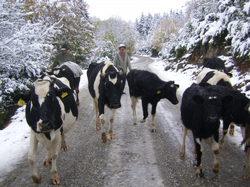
[128,63]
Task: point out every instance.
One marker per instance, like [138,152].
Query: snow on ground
[14,140]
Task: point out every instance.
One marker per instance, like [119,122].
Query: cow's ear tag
[64,69]
[158,91]
[64,94]
[21,102]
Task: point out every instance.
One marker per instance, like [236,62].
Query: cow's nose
[212,119]
[115,105]
[44,126]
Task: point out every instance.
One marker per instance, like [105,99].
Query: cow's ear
[227,99]
[198,99]
[63,92]
[21,99]
[177,86]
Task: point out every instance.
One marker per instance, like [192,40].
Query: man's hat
[64,46]
[122,45]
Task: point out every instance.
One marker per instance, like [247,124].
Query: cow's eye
[53,99]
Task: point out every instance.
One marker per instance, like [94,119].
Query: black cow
[65,71]
[151,89]
[51,111]
[235,111]
[201,109]
[215,63]
[106,84]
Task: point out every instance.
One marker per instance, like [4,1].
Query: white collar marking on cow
[56,72]
[41,89]
[114,80]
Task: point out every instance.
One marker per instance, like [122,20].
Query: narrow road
[137,157]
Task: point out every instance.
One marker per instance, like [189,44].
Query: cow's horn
[30,85]
[120,72]
[53,80]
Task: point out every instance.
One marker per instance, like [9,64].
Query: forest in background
[32,32]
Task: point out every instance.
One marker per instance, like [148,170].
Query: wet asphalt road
[137,157]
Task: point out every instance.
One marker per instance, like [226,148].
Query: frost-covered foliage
[31,31]
[22,50]
[156,30]
[109,34]
[215,23]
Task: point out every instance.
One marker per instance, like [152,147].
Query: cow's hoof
[143,121]
[111,137]
[200,174]
[36,179]
[104,138]
[46,162]
[153,130]
[55,181]
[134,123]
[245,176]
[222,146]
[64,149]
[182,154]
[216,168]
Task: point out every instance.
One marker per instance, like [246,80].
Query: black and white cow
[213,77]
[151,89]
[106,84]
[51,111]
[201,109]
[65,71]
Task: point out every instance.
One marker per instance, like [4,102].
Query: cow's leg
[54,153]
[145,110]
[199,150]
[225,129]
[96,114]
[32,159]
[102,118]
[77,97]
[246,137]
[246,167]
[63,142]
[111,120]
[231,129]
[153,112]
[104,138]
[215,149]
[133,106]
[183,146]
[47,160]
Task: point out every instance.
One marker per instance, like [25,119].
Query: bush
[180,51]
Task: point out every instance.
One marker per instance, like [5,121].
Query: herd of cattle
[51,107]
